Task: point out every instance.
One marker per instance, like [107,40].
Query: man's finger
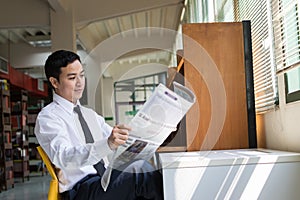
[124,126]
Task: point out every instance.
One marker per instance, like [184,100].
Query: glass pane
[224,9]
[293,80]
[286,2]
[291,27]
[204,11]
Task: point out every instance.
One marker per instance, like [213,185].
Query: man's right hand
[118,136]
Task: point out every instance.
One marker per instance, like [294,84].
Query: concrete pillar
[63,33]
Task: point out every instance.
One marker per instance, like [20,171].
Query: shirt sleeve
[65,151]
[106,128]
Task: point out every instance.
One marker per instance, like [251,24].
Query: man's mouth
[78,90]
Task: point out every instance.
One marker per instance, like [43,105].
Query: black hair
[56,61]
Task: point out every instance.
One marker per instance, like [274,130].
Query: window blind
[265,86]
[286,33]
[264,66]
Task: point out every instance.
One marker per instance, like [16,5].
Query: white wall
[282,125]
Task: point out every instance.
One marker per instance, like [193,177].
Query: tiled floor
[36,188]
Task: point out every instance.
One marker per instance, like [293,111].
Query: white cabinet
[231,174]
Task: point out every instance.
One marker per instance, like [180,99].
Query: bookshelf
[6,151]
[35,104]
[20,130]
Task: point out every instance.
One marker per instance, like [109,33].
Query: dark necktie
[87,133]
[89,138]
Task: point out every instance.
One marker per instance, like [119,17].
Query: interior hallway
[36,188]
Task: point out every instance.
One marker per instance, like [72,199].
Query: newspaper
[152,124]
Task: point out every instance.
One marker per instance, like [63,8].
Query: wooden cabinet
[19,99]
[218,68]
[6,151]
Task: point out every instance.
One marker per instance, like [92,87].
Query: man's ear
[53,82]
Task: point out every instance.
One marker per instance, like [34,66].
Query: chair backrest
[53,193]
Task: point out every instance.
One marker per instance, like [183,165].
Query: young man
[60,132]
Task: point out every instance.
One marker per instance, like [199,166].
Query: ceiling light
[45,41]
[39,40]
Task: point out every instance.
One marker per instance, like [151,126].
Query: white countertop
[225,157]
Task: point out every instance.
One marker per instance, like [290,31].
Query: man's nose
[79,80]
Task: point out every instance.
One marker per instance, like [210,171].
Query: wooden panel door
[215,70]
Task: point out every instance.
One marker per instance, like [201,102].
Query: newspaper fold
[152,124]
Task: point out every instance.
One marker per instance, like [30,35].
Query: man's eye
[72,78]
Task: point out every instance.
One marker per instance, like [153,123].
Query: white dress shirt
[59,133]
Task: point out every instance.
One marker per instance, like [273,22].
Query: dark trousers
[138,180]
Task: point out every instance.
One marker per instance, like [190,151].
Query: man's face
[71,82]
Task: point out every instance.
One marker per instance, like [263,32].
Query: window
[287,45]
[292,85]
[3,66]
[225,10]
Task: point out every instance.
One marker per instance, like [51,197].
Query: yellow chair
[53,193]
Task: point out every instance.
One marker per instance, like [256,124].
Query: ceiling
[22,22]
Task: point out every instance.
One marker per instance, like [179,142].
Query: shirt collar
[65,104]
